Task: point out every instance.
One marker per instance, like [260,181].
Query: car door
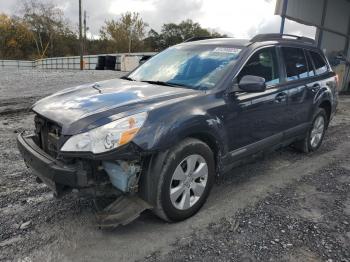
[299,73]
[257,118]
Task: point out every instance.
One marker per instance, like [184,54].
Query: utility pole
[81,38]
[85,31]
[130,32]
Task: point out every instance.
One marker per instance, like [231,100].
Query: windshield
[197,67]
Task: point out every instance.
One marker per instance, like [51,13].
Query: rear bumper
[52,172]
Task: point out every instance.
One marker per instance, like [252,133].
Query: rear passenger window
[320,64]
[264,64]
[294,59]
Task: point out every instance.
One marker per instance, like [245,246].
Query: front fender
[169,132]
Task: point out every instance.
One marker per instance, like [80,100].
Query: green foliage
[46,24]
[42,31]
[125,34]
[14,38]
[172,34]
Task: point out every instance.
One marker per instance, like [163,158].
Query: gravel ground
[19,89]
[309,220]
[285,206]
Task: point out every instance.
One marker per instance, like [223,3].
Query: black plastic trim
[48,169]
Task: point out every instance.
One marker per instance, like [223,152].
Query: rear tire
[314,136]
[185,180]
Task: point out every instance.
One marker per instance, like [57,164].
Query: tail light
[337,80]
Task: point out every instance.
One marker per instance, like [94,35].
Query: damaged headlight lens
[107,137]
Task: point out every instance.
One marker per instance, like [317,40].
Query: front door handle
[281,97]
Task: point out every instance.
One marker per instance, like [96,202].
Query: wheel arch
[213,144]
[153,164]
[327,106]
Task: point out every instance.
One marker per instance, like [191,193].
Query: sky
[236,18]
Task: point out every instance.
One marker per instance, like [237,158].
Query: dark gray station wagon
[157,138]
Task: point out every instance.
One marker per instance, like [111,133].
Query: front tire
[185,180]
[314,137]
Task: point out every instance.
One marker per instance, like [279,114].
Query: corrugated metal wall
[332,19]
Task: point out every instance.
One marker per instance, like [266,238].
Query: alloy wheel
[317,131]
[188,182]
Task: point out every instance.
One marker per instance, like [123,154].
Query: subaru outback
[158,137]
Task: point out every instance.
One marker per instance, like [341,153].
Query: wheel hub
[317,131]
[188,182]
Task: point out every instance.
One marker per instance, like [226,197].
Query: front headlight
[106,137]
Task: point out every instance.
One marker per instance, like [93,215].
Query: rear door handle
[281,97]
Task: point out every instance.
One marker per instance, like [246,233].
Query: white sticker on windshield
[229,50]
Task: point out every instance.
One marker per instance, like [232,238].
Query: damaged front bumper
[55,174]
[59,177]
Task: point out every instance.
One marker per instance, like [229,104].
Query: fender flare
[323,96]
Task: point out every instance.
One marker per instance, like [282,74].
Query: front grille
[48,134]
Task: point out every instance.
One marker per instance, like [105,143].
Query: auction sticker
[227,50]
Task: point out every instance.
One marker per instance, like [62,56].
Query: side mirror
[252,84]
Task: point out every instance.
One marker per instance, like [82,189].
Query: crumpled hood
[73,104]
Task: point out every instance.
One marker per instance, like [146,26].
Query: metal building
[332,20]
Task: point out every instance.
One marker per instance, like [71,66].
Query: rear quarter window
[319,62]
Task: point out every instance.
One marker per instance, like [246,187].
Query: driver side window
[264,64]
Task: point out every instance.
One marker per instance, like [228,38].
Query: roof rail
[198,38]
[267,37]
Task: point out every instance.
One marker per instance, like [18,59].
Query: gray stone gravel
[309,220]
[20,88]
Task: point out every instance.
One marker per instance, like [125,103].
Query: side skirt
[246,154]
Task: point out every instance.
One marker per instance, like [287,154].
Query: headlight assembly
[106,137]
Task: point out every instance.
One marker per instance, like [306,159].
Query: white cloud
[121,6]
[238,18]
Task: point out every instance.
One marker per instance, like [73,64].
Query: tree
[46,23]
[153,42]
[125,34]
[172,34]
[15,38]
[41,31]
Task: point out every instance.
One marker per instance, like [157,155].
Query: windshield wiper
[127,78]
[162,83]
